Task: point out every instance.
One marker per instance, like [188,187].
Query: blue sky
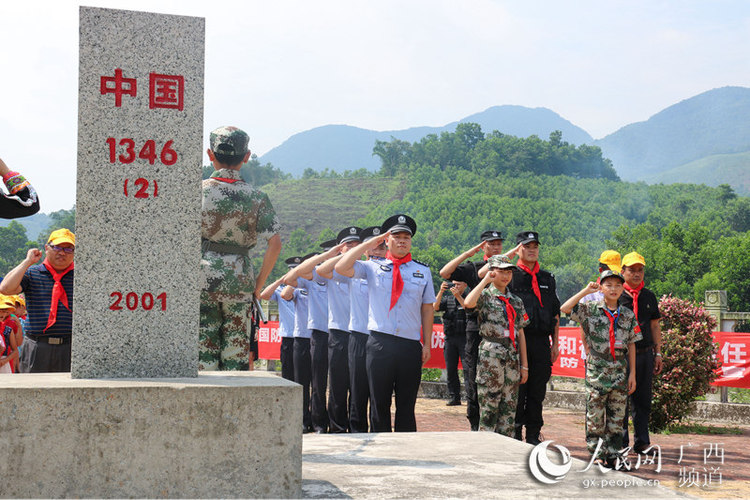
[294,65]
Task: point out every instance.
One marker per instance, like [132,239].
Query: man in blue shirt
[306,278]
[338,330]
[286,320]
[48,288]
[401,295]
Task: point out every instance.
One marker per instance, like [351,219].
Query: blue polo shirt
[317,314]
[286,314]
[338,302]
[37,286]
[405,319]
[301,303]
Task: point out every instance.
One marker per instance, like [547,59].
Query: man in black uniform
[644,304]
[492,244]
[454,330]
[538,291]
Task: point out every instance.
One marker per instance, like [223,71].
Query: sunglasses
[62,249]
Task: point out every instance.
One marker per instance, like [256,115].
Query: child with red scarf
[609,335]
[502,362]
[8,328]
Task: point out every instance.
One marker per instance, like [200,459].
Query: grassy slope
[732,169]
[316,204]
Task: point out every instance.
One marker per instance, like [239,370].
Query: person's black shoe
[533,439]
[453,402]
[475,427]
[306,430]
[641,448]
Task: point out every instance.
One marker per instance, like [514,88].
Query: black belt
[641,350]
[208,245]
[49,339]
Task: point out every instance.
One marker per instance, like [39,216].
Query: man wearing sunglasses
[48,288]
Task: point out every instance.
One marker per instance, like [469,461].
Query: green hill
[733,169]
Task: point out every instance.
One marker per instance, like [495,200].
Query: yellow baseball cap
[633,258]
[7,302]
[18,299]
[61,236]
[611,259]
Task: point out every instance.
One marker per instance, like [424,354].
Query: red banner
[733,353]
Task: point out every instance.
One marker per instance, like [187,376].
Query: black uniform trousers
[319,356]
[338,380]
[640,401]
[531,394]
[302,375]
[394,364]
[39,356]
[453,350]
[286,356]
[471,357]
[359,390]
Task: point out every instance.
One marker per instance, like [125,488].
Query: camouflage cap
[229,141]
[610,274]
[500,262]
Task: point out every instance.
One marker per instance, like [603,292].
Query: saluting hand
[474,250]
[592,287]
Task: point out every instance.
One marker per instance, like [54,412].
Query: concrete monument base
[222,434]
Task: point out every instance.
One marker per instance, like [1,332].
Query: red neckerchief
[634,292]
[225,179]
[486,258]
[58,292]
[511,314]
[398,282]
[612,325]
[534,281]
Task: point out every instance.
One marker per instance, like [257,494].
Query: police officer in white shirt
[306,278]
[401,295]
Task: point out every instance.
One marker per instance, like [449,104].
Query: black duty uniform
[543,319]
[454,329]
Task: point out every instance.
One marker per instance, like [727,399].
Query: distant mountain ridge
[706,134]
[712,123]
[343,147]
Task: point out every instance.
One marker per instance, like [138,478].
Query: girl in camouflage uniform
[609,333]
[502,318]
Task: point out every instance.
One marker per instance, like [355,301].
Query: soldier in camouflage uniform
[235,216]
[502,318]
[608,332]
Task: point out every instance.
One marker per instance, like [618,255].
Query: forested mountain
[342,147]
[701,134]
[712,123]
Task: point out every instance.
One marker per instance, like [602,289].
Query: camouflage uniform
[498,373]
[235,216]
[606,379]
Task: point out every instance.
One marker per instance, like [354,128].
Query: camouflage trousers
[224,342]
[606,400]
[498,376]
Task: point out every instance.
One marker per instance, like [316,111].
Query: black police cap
[492,235]
[327,245]
[527,237]
[400,223]
[369,233]
[351,233]
[293,262]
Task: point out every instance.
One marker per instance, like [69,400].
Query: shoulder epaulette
[420,263]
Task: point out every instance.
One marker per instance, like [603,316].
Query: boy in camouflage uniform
[235,216]
[502,318]
[608,330]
